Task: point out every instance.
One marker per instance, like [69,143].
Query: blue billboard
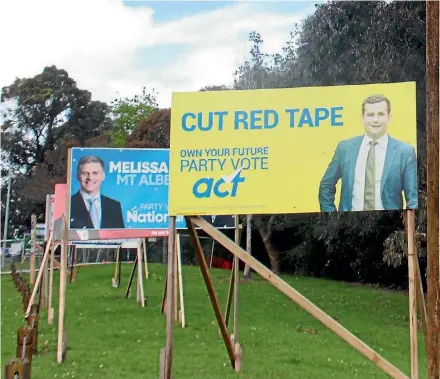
[120,189]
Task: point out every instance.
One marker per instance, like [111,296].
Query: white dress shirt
[97,203]
[359,176]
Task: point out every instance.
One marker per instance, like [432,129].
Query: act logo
[226,186]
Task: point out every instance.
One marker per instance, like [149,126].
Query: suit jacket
[111,214]
[399,174]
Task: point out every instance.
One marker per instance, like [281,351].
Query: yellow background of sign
[298,157]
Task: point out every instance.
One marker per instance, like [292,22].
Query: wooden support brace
[211,291]
[412,295]
[130,281]
[39,276]
[294,295]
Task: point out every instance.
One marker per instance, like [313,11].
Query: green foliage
[128,112]
[38,115]
[343,43]
[153,131]
[39,111]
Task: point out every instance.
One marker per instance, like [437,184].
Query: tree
[128,112]
[346,43]
[364,42]
[152,132]
[258,74]
[38,111]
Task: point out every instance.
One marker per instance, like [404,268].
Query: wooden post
[237,346]
[63,270]
[175,281]
[432,126]
[34,250]
[304,303]
[170,298]
[412,295]
[115,280]
[144,250]
[140,276]
[75,266]
[236,278]
[212,295]
[50,310]
[24,343]
[163,307]
[180,284]
[247,269]
[62,301]
[230,293]
[162,364]
[20,367]
[44,281]
[130,281]
[212,254]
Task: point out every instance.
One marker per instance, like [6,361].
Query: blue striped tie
[93,213]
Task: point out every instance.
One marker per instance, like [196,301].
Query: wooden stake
[144,250]
[140,276]
[39,278]
[45,282]
[164,297]
[236,280]
[179,274]
[49,305]
[170,298]
[230,293]
[75,266]
[130,281]
[175,281]
[34,250]
[212,254]
[412,295]
[162,364]
[210,288]
[304,303]
[63,269]
[62,301]
[115,281]
[432,150]
[238,357]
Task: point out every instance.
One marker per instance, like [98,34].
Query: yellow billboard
[294,150]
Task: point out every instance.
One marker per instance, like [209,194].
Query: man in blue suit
[375,168]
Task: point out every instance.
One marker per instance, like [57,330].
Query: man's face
[375,119]
[90,177]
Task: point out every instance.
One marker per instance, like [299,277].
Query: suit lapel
[103,212]
[82,211]
[389,156]
[352,158]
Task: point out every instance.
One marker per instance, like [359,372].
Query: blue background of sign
[133,196]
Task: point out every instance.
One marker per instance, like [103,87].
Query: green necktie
[370,179]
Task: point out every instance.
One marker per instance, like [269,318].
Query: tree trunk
[271,251]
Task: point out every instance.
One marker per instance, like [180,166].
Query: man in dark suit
[89,209]
[374,168]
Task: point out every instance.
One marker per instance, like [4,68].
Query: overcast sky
[114,46]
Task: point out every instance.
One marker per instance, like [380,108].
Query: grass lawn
[112,337]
